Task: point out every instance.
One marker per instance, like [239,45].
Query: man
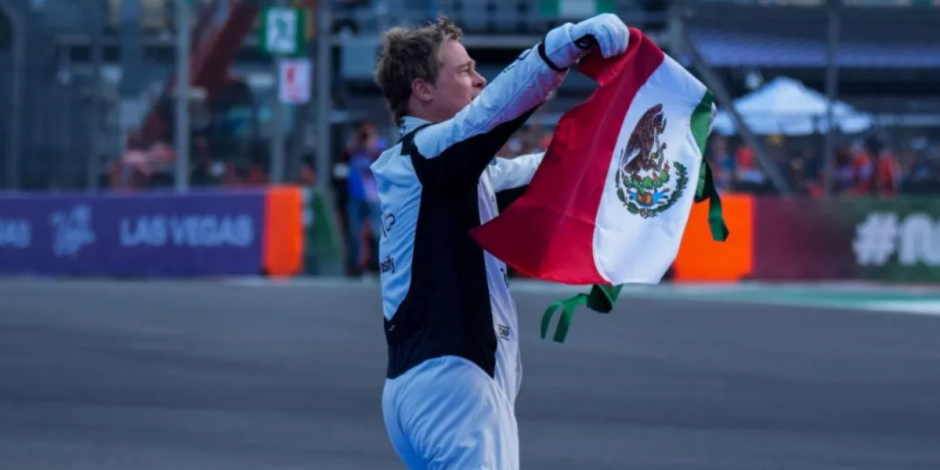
[450,323]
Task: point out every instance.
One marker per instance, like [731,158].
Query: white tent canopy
[785,106]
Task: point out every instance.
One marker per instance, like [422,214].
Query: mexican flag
[611,199]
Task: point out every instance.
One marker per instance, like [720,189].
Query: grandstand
[888,61]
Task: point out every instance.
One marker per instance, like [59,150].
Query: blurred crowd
[152,166]
[864,167]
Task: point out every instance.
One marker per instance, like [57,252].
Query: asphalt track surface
[205,376]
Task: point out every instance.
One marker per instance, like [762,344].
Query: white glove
[564,45]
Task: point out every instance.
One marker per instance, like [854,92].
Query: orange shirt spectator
[888,179]
[746,169]
[257,176]
[863,169]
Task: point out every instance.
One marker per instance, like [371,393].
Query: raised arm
[450,156]
[515,172]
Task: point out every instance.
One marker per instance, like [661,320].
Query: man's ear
[421,89]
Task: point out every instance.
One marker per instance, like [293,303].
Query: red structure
[217,39]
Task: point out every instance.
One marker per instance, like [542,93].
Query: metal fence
[45,130]
[53,127]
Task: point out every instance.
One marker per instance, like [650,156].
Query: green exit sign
[283,31]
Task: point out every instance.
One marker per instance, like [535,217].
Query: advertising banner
[701,258]
[801,239]
[323,238]
[896,240]
[865,238]
[137,235]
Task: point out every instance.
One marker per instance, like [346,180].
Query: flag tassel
[706,190]
[601,299]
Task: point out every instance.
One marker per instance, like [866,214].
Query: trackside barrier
[864,238]
[288,230]
[323,237]
[158,234]
[701,258]
[796,239]
[284,231]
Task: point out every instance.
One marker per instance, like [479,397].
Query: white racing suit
[453,354]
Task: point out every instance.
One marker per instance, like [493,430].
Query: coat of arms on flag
[611,199]
[643,180]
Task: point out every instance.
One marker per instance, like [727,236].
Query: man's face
[458,82]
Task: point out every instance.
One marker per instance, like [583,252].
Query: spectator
[722,164]
[843,174]
[888,174]
[924,169]
[746,168]
[362,208]
[863,169]
[308,171]
[204,172]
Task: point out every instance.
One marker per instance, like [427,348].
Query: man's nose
[480,80]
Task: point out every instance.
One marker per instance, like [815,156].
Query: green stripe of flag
[700,120]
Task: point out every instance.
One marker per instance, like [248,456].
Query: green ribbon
[564,323]
[601,300]
[602,297]
[706,190]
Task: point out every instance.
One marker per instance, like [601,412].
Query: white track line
[918,307]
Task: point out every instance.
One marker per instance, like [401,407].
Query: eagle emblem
[643,172]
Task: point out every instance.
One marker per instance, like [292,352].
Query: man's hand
[566,44]
[608,33]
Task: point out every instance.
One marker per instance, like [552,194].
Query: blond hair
[409,54]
